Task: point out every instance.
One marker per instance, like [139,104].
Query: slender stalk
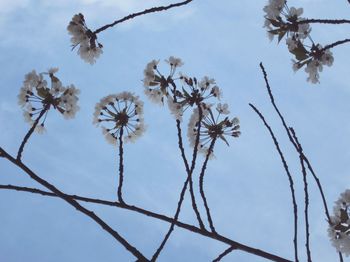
[226,252]
[340,42]
[306,194]
[121,166]
[30,132]
[164,218]
[309,166]
[182,194]
[290,178]
[77,206]
[324,21]
[268,87]
[201,182]
[147,11]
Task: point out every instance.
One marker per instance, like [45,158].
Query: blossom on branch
[339,226]
[213,125]
[121,115]
[35,96]
[89,48]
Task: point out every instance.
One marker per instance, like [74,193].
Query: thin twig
[340,42]
[121,166]
[201,182]
[75,204]
[183,191]
[226,252]
[306,194]
[30,132]
[147,11]
[164,218]
[324,21]
[290,178]
[309,166]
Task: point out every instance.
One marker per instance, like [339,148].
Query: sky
[246,185]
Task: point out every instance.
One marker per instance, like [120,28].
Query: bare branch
[201,182]
[147,11]
[340,42]
[290,178]
[324,21]
[121,167]
[164,218]
[30,132]
[75,204]
[226,252]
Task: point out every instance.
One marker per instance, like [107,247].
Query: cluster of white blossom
[193,93]
[89,49]
[157,86]
[35,96]
[213,125]
[339,226]
[281,20]
[122,115]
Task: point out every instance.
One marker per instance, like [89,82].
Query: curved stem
[306,194]
[147,11]
[201,182]
[77,206]
[121,166]
[30,132]
[190,228]
[340,42]
[324,21]
[223,254]
[290,178]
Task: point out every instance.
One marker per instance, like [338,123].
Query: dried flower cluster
[281,20]
[121,115]
[35,96]
[339,226]
[89,49]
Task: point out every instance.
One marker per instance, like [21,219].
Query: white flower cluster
[122,115]
[89,49]
[339,226]
[318,57]
[211,127]
[157,86]
[35,96]
[281,20]
[193,93]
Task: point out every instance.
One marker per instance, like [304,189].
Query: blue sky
[247,188]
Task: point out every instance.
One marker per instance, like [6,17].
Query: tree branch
[75,204]
[121,167]
[291,182]
[147,11]
[164,218]
[324,21]
[226,252]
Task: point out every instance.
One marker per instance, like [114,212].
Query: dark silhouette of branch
[293,142]
[324,21]
[75,204]
[226,252]
[309,166]
[188,180]
[194,229]
[340,42]
[121,166]
[30,132]
[201,181]
[306,194]
[147,11]
[290,178]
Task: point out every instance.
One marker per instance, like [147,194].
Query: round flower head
[89,49]
[35,96]
[339,226]
[211,126]
[121,115]
[157,86]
